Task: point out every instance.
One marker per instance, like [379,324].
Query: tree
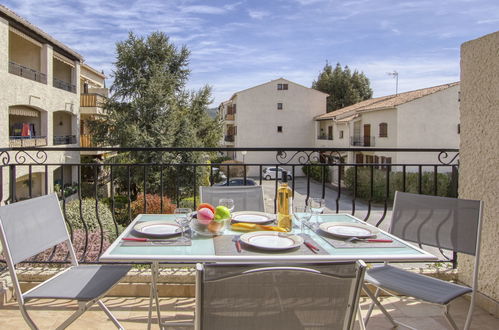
[150,107]
[344,87]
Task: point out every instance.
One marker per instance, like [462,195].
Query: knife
[311,247]
[236,240]
[142,239]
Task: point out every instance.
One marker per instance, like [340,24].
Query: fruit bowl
[214,227]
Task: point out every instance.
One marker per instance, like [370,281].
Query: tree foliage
[344,87]
[150,107]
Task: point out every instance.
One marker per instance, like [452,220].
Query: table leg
[155,267]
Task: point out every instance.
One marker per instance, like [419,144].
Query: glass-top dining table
[221,249]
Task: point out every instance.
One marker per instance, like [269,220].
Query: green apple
[221,213]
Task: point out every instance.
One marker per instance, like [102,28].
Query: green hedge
[316,172]
[444,183]
[89,216]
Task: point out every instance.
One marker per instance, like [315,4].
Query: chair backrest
[31,226]
[447,223]
[246,198]
[315,296]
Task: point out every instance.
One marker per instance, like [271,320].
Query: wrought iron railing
[229,138]
[324,137]
[64,139]
[64,85]
[26,72]
[150,186]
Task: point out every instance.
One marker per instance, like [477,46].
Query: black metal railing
[324,137]
[64,139]
[229,138]
[362,141]
[64,85]
[99,199]
[25,72]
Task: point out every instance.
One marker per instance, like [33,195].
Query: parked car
[269,173]
[237,182]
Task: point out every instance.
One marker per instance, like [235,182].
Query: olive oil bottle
[284,197]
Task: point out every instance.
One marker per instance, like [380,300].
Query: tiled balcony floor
[132,313]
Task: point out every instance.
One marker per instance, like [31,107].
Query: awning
[64,59]
[27,112]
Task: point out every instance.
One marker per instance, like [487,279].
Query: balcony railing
[64,139]
[27,141]
[229,116]
[229,138]
[91,100]
[324,137]
[86,141]
[362,141]
[28,73]
[64,85]
[360,189]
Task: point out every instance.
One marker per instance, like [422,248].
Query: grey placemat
[340,243]
[224,246]
[168,241]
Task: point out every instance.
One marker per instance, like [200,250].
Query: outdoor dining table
[203,249]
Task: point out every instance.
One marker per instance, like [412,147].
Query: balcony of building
[27,127]
[92,101]
[63,123]
[25,57]
[362,141]
[176,285]
[64,74]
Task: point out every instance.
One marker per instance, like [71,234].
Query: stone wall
[479,153]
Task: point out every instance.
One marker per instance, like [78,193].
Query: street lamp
[244,154]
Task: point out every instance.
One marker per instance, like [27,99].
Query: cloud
[204,10]
[258,14]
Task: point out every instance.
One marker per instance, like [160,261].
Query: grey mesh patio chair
[32,226]
[263,296]
[447,223]
[246,198]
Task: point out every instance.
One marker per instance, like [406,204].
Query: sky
[239,44]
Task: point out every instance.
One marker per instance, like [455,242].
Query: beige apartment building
[41,80]
[424,118]
[279,113]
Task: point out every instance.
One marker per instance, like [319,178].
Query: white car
[269,173]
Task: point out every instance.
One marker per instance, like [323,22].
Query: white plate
[271,240]
[252,217]
[157,228]
[347,229]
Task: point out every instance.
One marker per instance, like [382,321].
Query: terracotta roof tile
[383,102]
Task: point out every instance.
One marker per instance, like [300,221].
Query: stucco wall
[479,152]
[19,91]
[257,119]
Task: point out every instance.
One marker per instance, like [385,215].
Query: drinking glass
[317,206]
[227,202]
[303,213]
[183,216]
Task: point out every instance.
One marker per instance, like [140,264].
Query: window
[279,129]
[383,130]
[341,134]
[376,161]
[281,87]
[458,128]
[279,106]
[330,132]
[233,108]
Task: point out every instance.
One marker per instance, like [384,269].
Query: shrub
[316,172]
[89,215]
[189,202]
[153,203]
[444,183]
[233,170]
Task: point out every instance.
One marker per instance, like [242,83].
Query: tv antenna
[395,75]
